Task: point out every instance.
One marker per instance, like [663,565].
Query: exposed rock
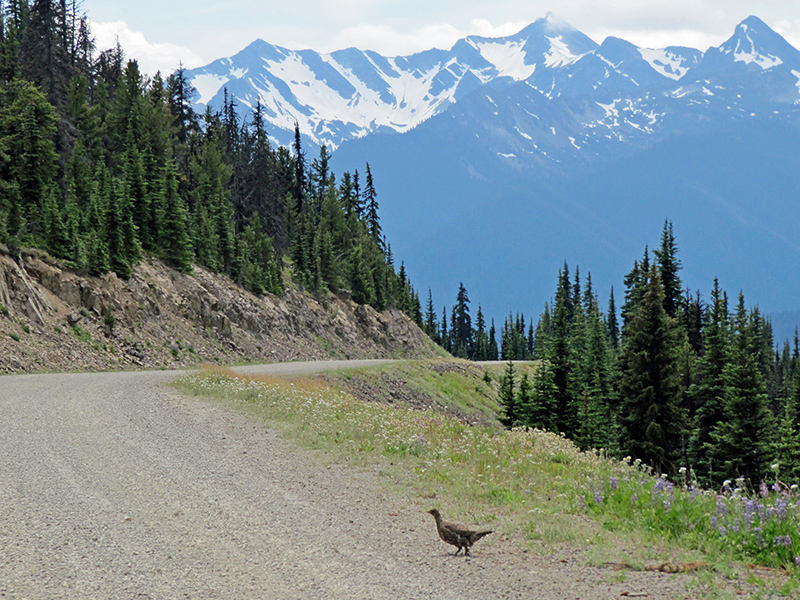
[51,318]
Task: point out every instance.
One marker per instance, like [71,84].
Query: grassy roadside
[432,436]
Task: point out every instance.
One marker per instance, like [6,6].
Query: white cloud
[662,38]
[152,57]
[484,28]
[390,42]
[387,41]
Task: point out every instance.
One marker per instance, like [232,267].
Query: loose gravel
[112,485]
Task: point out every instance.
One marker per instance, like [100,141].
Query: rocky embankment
[53,319]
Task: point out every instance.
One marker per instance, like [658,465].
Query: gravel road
[112,485]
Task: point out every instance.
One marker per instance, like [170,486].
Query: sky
[163,34]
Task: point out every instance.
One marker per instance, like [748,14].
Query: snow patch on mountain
[207,85]
[665,62]
[508,57]
[559,53]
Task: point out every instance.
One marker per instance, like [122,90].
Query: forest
[669,379]
[101,166]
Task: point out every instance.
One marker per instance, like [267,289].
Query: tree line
[669,378]
[101,166]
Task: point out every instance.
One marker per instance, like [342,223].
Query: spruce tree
[28,165]
[431,324]
[481,338]
[741,441]
[371,206]
[612,323]
[508,397]
[175,242]
[539,412]
[707,394]
[787,446]
[560,360]
[668,268]
[494,354]
[462,325]
[653,421]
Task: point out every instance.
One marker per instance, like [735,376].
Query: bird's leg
[457,551]
[466,550]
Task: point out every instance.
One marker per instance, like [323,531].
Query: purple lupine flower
[634,499]
[598,498]
[614,482]
[759,537]
[797,560]
[722,530]
[781,507]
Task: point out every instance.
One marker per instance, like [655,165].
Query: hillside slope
[53,319]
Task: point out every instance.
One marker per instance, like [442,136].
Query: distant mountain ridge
[625,91]
[499,159]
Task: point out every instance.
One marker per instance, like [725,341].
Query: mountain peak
[555,22]
[755,43]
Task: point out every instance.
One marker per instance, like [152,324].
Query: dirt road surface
[112,485]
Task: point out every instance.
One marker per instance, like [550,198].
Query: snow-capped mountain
[350,93]
[618,90]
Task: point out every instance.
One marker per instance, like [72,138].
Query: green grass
[536,487]
[456,387]
[81,333]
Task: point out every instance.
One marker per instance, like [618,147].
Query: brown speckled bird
[457,535]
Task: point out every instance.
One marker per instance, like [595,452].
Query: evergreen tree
[494,353]
[707,394]
[299,190]
[741,439]
[371,205]
[27,158]
[650,387]
[123,245]
[508,397]
[560,360]
[176,243]
[539,412]
[444,334]
[787,447]
[668,267]
[461,331]
[611,322]
[431,325]
[634,288]
[481,338]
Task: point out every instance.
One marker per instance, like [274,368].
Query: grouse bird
[457,535]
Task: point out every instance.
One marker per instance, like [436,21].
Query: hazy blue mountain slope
[730,194]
